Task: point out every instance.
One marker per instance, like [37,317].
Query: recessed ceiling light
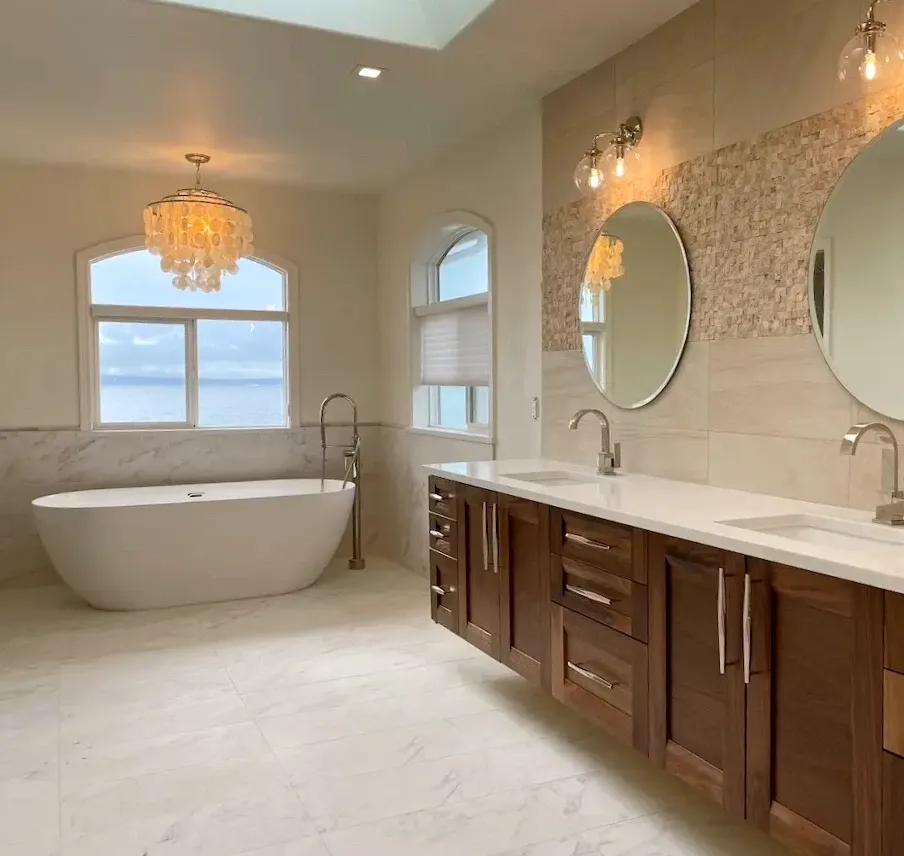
[369,71]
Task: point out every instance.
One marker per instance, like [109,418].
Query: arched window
[455,354]
[153,356]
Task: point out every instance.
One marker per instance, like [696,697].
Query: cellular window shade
[455,347]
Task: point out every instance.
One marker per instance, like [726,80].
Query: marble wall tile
[812,470]
[592,94]
[779,385]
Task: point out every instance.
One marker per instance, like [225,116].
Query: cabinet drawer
[441,498]
[610,599]
[444,590]
[600,543]
[444,536]
[601,674]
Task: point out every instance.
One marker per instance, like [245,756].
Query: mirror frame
[690,305]
[816,244]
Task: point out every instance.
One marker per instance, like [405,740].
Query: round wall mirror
[635,305]
[857,275]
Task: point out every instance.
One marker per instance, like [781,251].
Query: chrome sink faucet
[891,514]
[608,459]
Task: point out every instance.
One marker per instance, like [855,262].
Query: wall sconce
[611,162]
[871,51]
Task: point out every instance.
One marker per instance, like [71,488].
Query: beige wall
[496,177]
[753,405]
[50,213]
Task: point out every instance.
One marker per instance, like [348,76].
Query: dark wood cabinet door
[814,715]
[444,602]
[524,587]
[478,547]
[697,716]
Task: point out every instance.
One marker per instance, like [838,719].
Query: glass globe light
[588,175]
[619,160]
[870,54]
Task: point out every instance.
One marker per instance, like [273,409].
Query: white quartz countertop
[695,512]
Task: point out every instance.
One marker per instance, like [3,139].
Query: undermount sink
[553,478]
[826,531]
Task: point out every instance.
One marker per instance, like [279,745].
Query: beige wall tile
[779,385]
[812,470]
[739,21]
[677,115]
[684,403]
[591,94]
[678,45]
[664,452]
[862,413]
[785,74]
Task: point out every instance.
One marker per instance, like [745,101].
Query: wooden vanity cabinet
[814,711]
[524,587]
[478,569]
[777,692]
[697,697]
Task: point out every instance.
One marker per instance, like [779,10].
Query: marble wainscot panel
[36,463]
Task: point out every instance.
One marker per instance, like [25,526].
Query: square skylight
[420,23]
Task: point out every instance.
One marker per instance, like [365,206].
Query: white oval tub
[148,547]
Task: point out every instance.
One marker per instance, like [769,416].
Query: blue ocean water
[221,403]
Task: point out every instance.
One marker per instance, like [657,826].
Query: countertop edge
[775,548]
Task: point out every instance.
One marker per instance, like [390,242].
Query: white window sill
[180,430]
[451,434]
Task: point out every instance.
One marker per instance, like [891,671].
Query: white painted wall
[49,213]
[497,177]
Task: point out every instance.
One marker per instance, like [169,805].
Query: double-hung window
[455,338]
[156,357]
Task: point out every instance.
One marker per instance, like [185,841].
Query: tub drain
[195,495]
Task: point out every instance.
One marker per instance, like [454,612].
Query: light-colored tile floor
[333,722]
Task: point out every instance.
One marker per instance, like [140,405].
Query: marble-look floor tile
[86,763]
[311,846]
[282,701]
[30,808]
[337,801]
[496,823]
[316,726]
[222,808]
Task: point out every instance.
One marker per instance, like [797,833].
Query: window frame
[601,333]
[91,315]
[425,301]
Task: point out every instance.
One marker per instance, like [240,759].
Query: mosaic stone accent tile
[747,214]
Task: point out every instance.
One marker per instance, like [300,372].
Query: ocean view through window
[163,358]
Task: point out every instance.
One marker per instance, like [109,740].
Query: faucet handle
[616,456]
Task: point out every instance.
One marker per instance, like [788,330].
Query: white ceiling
[420,23]
[136,84]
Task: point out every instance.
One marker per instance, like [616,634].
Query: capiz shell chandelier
[605,264]
[198,234]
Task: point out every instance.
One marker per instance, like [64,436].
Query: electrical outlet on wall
[535,409]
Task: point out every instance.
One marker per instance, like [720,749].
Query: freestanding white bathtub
[147,547]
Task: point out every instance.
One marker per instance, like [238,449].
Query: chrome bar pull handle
[495,525]
[437,497]
[590,676]
[486,558]
[439,590]
[721,620]
[585,542]
[589,595]
[437,534]
[747,629]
